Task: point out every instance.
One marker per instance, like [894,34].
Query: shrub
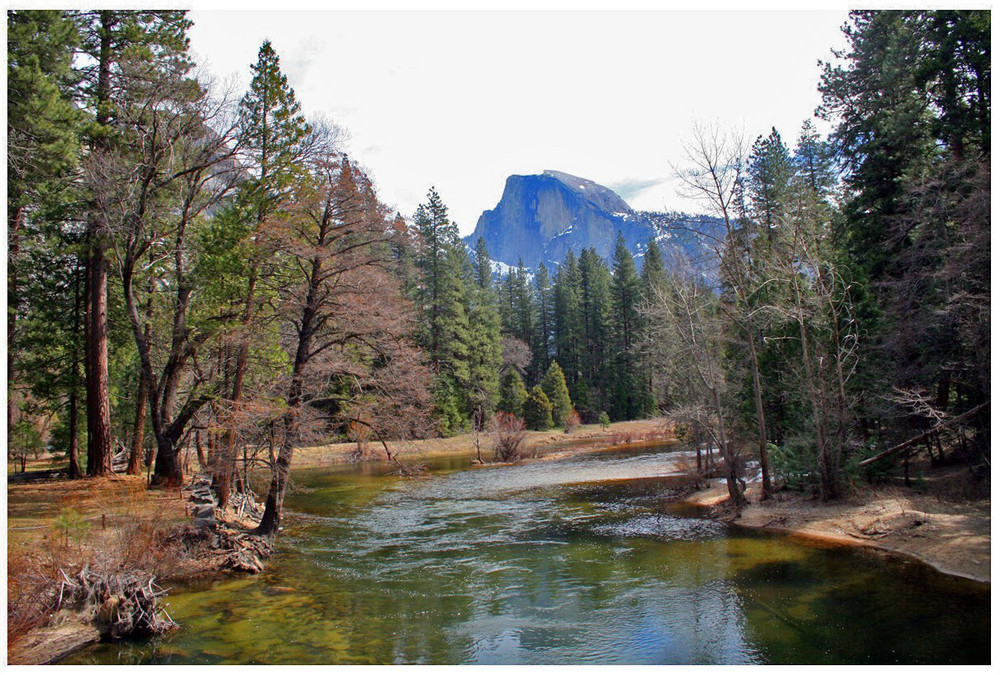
[70,525]
[572,421]
[554,386]
[512,393]
[604,420]
[507,436]
[538,410]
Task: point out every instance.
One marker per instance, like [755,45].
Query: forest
[193,269]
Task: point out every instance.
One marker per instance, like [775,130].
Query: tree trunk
[74,395]
[98,399]
[758,397]
[138,428]
[732,477]
[222,480]
[74,435]
[14,238]
[271,519]
[96,341]
[141,401]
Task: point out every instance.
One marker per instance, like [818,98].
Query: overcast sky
[461,100]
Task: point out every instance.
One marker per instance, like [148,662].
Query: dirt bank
[536,443]
[951,536]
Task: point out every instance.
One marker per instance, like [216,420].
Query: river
[577,560]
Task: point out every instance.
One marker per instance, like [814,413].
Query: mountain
[541,217]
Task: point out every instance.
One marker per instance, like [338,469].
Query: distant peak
[603,197]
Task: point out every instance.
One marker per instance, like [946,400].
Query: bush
[538,410]
[507,436]
[604,420]
[512,393]
[554,386]
[572,421]
[70,525]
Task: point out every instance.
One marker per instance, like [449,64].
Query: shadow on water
[576,560]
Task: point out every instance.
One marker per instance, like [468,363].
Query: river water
[576,560]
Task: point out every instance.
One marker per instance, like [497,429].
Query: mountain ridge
[541,217]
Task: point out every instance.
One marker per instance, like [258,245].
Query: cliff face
[542,217]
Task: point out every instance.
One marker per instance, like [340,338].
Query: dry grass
[536,443]
[108,526]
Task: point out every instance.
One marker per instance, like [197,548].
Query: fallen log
[927,434]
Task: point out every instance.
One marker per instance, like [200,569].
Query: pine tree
[769,171]
[554,386]
[42,145]
[482,268]
[485,348]
[436,233]
[626,400]
[537,410]
[652,288]
[568,327]
[595,301]
[512,393]
[445,296]
[542,348]
[274,133]
[275,138]
[126,48]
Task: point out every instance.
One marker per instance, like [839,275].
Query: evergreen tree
[42,145]
[481,265]
[769,170]
[911,100]
[542,348]
[537,410]
[446,299]
[554,386]
[568,326]
[512,393]
[276,140]
[131,53]
[652,288]
[626,398]
[595,301]
[436,233]
[485,347]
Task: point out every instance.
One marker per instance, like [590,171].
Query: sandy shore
[953,537]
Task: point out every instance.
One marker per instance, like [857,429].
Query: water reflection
[578,560]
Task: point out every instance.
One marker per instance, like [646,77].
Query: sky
[461,100]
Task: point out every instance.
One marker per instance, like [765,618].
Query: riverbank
[583,438]
[952,536]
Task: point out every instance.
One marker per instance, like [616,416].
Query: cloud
[630,187]
[302,59]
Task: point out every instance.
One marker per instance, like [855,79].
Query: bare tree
[815,296]
[175,167]
[691,327]
[714,175]
[347,317]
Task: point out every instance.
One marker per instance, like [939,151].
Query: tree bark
[758,397]
[226,461]
[98,399]
[138,428]
[141,401]
[74,395]
[14,238]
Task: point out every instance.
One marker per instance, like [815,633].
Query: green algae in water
[546,563]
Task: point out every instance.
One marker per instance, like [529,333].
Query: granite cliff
[541,217]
